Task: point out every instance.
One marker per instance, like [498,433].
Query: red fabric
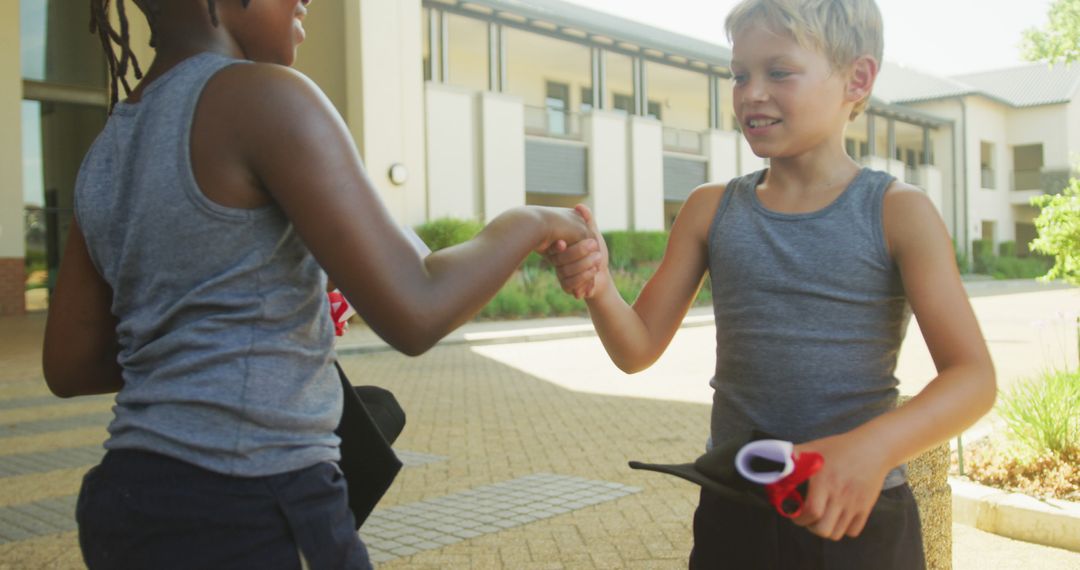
[784,494]
[339,309]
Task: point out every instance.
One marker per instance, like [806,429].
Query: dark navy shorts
[143,510]
[732,535]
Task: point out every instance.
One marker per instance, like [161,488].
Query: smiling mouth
[759,123]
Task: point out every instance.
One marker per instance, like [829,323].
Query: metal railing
[1027,179]
[552,122]
[683,140]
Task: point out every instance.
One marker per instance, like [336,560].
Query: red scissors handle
[784,494]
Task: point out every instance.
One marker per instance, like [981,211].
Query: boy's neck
[173,49]
[821,170]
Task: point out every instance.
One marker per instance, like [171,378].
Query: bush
[626,248]
[445,232]
[1007,249]
[1058,226]
[1017,267]
[983,251]
[1042,415]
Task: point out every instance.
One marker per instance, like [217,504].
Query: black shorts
[144,510]
[740,537]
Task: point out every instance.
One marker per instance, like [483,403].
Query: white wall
[1047,125]
[721,148]
[646,173]
[453,186]
[502,153]
[1072,127]
[606,134]
[748,161]
[385,98]
[988,122]
[12,242]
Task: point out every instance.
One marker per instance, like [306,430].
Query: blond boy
[816,266]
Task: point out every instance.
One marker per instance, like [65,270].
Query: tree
[1058,225]
[1060,40]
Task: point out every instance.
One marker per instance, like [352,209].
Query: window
[557,103]
[1027,167]
[624,103]
[986,164]
[586,99]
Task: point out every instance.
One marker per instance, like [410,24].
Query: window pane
[57,46]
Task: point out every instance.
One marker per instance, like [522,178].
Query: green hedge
[982,251]
[534,289]
[627,248]
[445,232]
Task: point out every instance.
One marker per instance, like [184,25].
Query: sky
[943,37]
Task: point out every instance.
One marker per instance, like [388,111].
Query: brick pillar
[928,475]
[12,286]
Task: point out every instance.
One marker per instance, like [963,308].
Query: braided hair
[120,64]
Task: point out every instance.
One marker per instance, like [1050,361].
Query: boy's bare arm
[635,337]
[79,356]
[300,150]
[843,493]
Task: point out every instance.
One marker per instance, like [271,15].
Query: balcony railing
[552,122]
[1041,180]
[1027,179]
[988,181]
[683,140]
[911,175]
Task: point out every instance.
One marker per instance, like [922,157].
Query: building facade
[464,108]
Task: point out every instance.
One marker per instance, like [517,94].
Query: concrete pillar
[12,240]
[646,174]
[453,184]
[748,161]
[721,148]
[384,98]
[605,133]
[502,153]
[930,180]
[876,162]
[928,475]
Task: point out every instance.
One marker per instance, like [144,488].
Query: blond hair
[843,30]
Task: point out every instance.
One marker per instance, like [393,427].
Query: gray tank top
[224,329]
[810,313]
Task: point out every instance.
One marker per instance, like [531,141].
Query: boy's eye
[739,77]
[779,74]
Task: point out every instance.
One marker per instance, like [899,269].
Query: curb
[1048,522]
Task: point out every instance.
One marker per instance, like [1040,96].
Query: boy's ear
[861,80]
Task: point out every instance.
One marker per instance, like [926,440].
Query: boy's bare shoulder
[265,89]
[708,193]
[903,197]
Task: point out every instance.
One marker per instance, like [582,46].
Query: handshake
[582,268]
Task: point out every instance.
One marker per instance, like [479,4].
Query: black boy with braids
[102,26]
[220,195]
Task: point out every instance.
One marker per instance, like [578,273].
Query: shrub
[1017,267]
[445,232]
[626,248]
[1042,415]
[1007,249]
[983,251]
[1058,226]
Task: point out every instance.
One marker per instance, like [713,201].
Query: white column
[748,161]
[721,148]
[12,241]
[453,183]
[647,173]
[502,153]
[876,163]
[930,181]
[385,98]
[609,187]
